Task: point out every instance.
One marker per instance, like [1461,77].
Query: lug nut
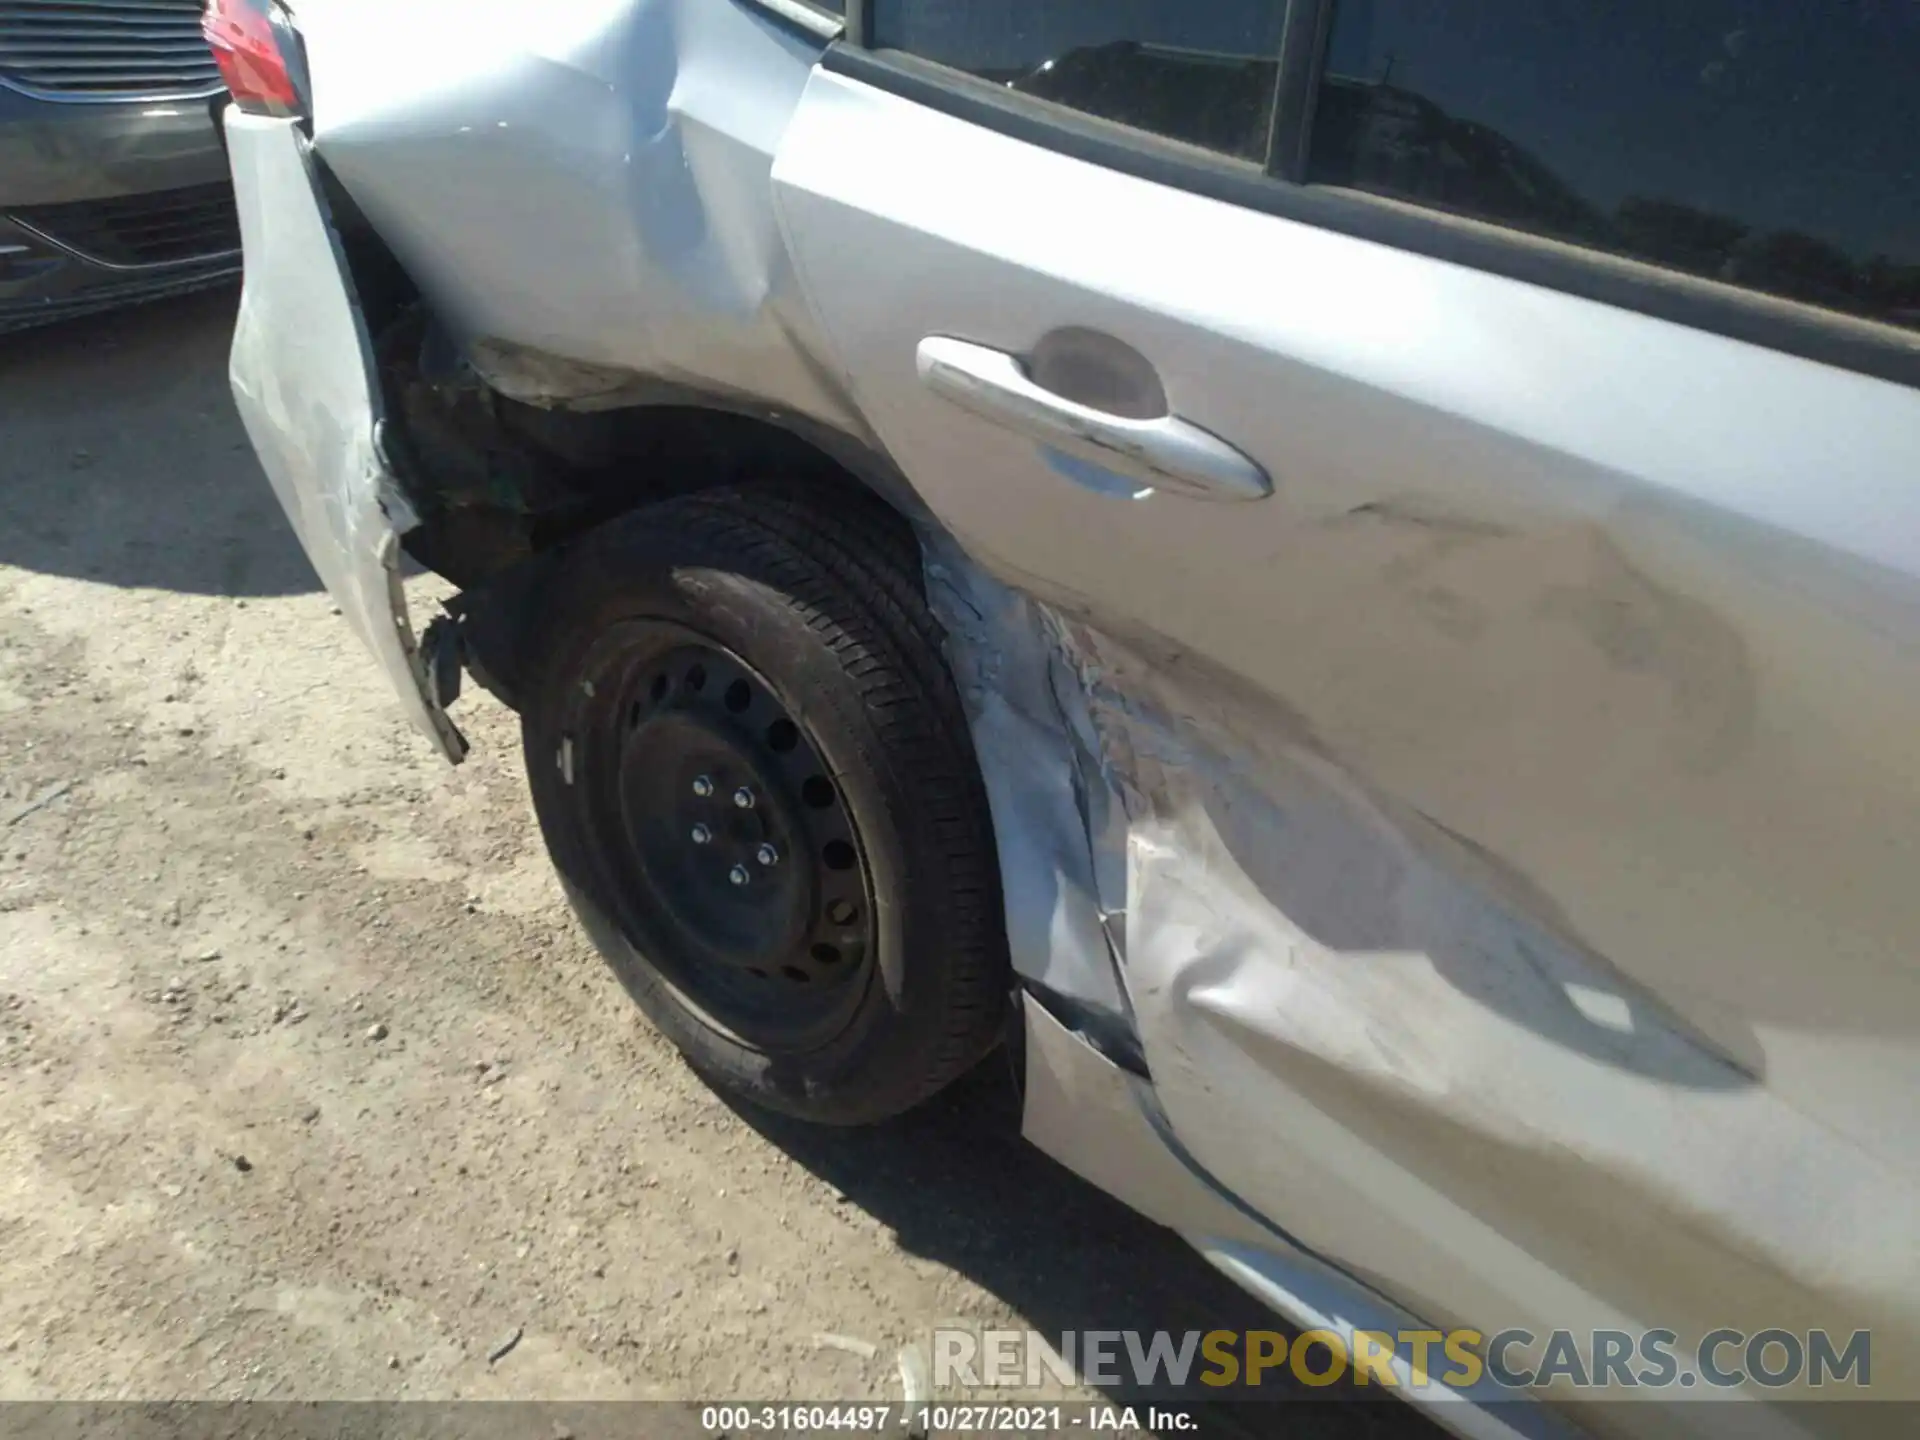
[738,875]
[767,855]
[702,835]
[703,787]
[743,797]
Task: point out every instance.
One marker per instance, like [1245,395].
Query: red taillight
[247,50]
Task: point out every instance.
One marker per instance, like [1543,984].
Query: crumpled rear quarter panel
[586,179]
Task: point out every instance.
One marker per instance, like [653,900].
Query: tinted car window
[1199,72]
[1773,144]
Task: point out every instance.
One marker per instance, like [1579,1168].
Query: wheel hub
[728,833]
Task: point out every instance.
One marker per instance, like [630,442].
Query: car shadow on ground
[956,1184]
[123,461]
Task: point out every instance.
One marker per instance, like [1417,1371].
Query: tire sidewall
[737,606]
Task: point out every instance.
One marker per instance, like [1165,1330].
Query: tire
[863,968]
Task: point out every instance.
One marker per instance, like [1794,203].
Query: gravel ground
[309,1085]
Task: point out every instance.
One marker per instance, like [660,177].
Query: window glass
[1773,144]
[1201,71]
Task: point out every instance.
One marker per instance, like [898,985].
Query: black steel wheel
[733,854]
[751,769]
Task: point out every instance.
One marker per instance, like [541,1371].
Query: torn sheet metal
[302,377]
[1060,834]
[1358,1024]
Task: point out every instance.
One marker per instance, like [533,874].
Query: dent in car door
[1517,798]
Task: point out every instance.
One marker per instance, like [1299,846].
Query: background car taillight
[259,56]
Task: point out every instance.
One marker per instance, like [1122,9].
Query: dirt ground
[309,1085]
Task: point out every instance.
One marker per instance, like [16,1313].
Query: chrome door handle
[1164,452]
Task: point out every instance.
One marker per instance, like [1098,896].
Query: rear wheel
[751,768]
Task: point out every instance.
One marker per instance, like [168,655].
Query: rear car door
[1502,425]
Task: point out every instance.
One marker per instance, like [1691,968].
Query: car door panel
[1526,924]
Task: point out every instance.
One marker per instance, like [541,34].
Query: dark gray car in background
[113,180]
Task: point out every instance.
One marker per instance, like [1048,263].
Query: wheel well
[498,522]
[496,481]
[503,488]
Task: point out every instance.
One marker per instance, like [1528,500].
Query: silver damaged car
[1341,575]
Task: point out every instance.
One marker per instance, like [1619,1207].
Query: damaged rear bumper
[304,379]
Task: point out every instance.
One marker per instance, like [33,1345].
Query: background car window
[1203,73]
[1773,144]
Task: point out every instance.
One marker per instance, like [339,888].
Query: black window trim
[1829,337]
[1303,49]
